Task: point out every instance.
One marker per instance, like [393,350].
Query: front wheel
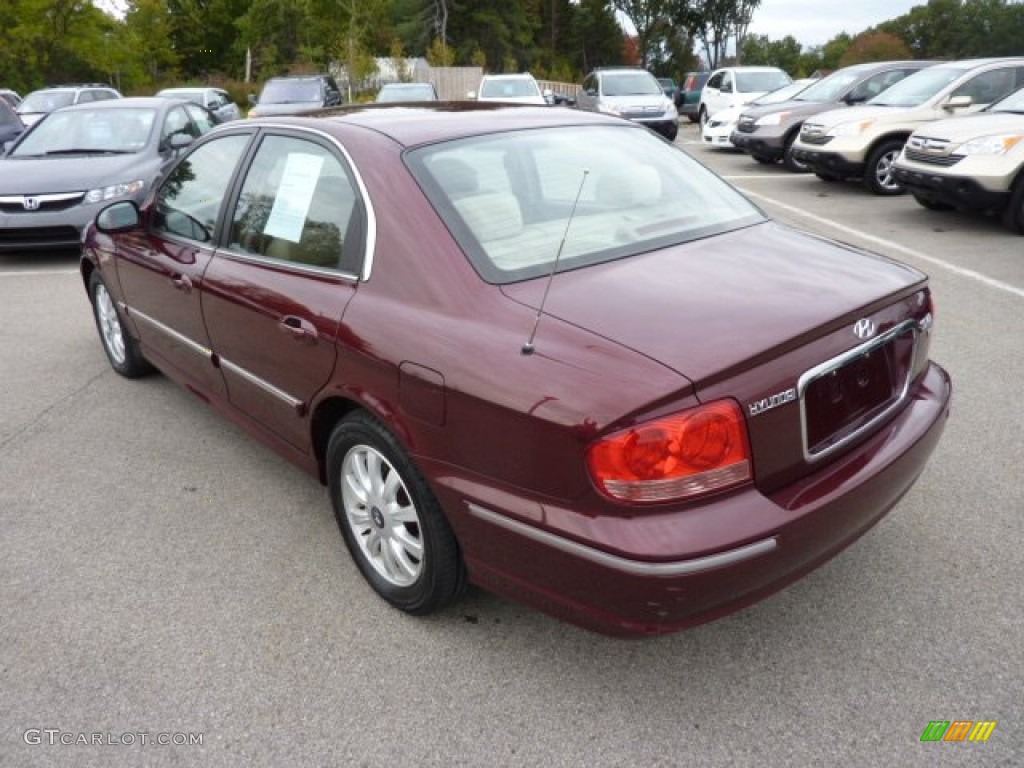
[122,350]
[702,118]
[790,161]
[878,176]
[391,522]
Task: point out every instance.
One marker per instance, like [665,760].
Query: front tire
[878,176]
[702,118]
[1013,216]
[790,161]
[122,350]
[392,524]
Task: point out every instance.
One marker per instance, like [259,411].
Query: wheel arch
[325,417]
[901,136]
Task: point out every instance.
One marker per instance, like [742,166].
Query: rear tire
[764,160]
[878,176]
[391,521]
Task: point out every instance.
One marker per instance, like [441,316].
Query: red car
[541,350]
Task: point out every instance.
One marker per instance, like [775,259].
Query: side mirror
[118,217]
[471,95]
[726,88]
[178,141]
[253,101]
[957,102]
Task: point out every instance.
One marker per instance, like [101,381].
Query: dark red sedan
[542,350]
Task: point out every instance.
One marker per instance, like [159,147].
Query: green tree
[875,46]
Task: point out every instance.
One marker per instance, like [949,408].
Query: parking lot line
[970,274]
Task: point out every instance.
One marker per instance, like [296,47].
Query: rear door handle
[298,328]
[182,283]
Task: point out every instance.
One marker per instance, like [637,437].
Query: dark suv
[292,95]
[688,95]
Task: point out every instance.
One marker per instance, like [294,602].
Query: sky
[815,22]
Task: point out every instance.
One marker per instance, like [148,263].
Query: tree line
[153,43]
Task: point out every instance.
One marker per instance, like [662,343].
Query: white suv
[45,100]
[974,162]
[865,141]
[730,87]
[515,89]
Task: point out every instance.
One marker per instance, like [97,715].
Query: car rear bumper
[732,551]
[958,191]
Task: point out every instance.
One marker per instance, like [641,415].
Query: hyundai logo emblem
[864,328]
[30,203]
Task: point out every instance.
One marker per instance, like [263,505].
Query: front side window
[298,204]
[756,82]
[508,198]
[201,119]
[189,202]
[988,86]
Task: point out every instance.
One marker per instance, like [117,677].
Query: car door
[710,97]
[161,266]
[274,297]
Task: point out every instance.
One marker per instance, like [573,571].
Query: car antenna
[528,346]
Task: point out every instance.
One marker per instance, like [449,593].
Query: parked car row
[949,132]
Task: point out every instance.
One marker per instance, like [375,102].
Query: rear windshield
[290,92]
[46,101]
[918,88]
[509,88]
[509,198]
[756,82]
[630,84]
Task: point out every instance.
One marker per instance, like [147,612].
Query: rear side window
[298,204]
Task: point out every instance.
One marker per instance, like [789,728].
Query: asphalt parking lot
[164,575]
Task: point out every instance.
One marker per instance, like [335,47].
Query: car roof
[510,76]
[410,125]
[155,102]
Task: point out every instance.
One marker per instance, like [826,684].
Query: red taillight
[677,457]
